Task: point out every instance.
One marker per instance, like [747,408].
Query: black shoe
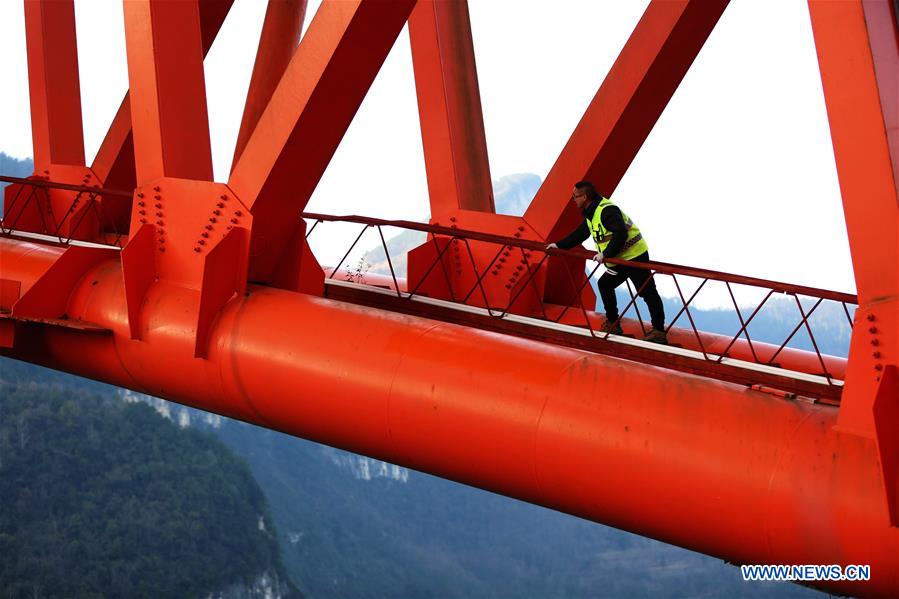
[656,336]
[610,326]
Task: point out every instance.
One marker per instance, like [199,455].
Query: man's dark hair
[589,189]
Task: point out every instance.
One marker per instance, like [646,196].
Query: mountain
[103,497]
[13,167]
[512,194]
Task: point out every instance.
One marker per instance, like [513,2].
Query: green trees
[104,498]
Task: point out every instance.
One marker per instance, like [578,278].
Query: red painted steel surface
[309,112]
[712,466]
[168,91]
[179,312]
[55,93]
[449,107]
[619,118]
[280,35]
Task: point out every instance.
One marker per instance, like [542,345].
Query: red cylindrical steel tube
[707,465]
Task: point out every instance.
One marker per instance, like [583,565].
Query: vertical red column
[168,95]
[449,104]
[53,84]
[852,43]
[280,35]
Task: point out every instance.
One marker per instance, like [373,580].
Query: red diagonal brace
[449,104]
[621,115]
[56,127]
[322,88]
[168,94]
[280,35]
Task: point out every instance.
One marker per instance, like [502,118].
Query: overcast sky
[737,175]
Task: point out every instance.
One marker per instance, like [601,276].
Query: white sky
[737,175]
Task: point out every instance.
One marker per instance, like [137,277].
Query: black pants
[608,282]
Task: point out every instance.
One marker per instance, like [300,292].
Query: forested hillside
[106,498]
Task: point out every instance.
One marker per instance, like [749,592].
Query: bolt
[156,188]
[878,367]
[508,286]
[502,259]
[223,196]
[159,214]
[208,227]
[212,219]
[161,240]
[876,355]
[494,272]
[221,204]
[519,267]
[140,194]
[454,226]
[875,342]
[162,250]
[517,234]
[238,213]
[872,330]
[141,203]
[204,234]
[157,197]
[228,228]
[506,253]
[235,221]
[452,219]
[871,317]
[158,205]
[197,249]
[201,242]
[141,212]
[159,222]
[143,221]
[216,212]
[521,228]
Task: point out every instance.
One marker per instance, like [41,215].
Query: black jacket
[611,219]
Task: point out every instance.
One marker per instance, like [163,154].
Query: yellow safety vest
[635,244]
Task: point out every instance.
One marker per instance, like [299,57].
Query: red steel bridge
[476,356]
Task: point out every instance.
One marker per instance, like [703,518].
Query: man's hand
[551,246]
[598,257]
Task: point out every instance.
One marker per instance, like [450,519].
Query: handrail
[579,252]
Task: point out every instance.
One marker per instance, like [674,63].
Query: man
[616,236]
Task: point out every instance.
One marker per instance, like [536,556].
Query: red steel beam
[859,129]
[114,163]
[56,129]
[320,92]
[711,466]
[636,90]
[280,35]
[449,107]
[168,93]
[882,22]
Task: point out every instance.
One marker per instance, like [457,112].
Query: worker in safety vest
[616,236]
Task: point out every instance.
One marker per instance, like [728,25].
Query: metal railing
[37,191]
[534,255]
